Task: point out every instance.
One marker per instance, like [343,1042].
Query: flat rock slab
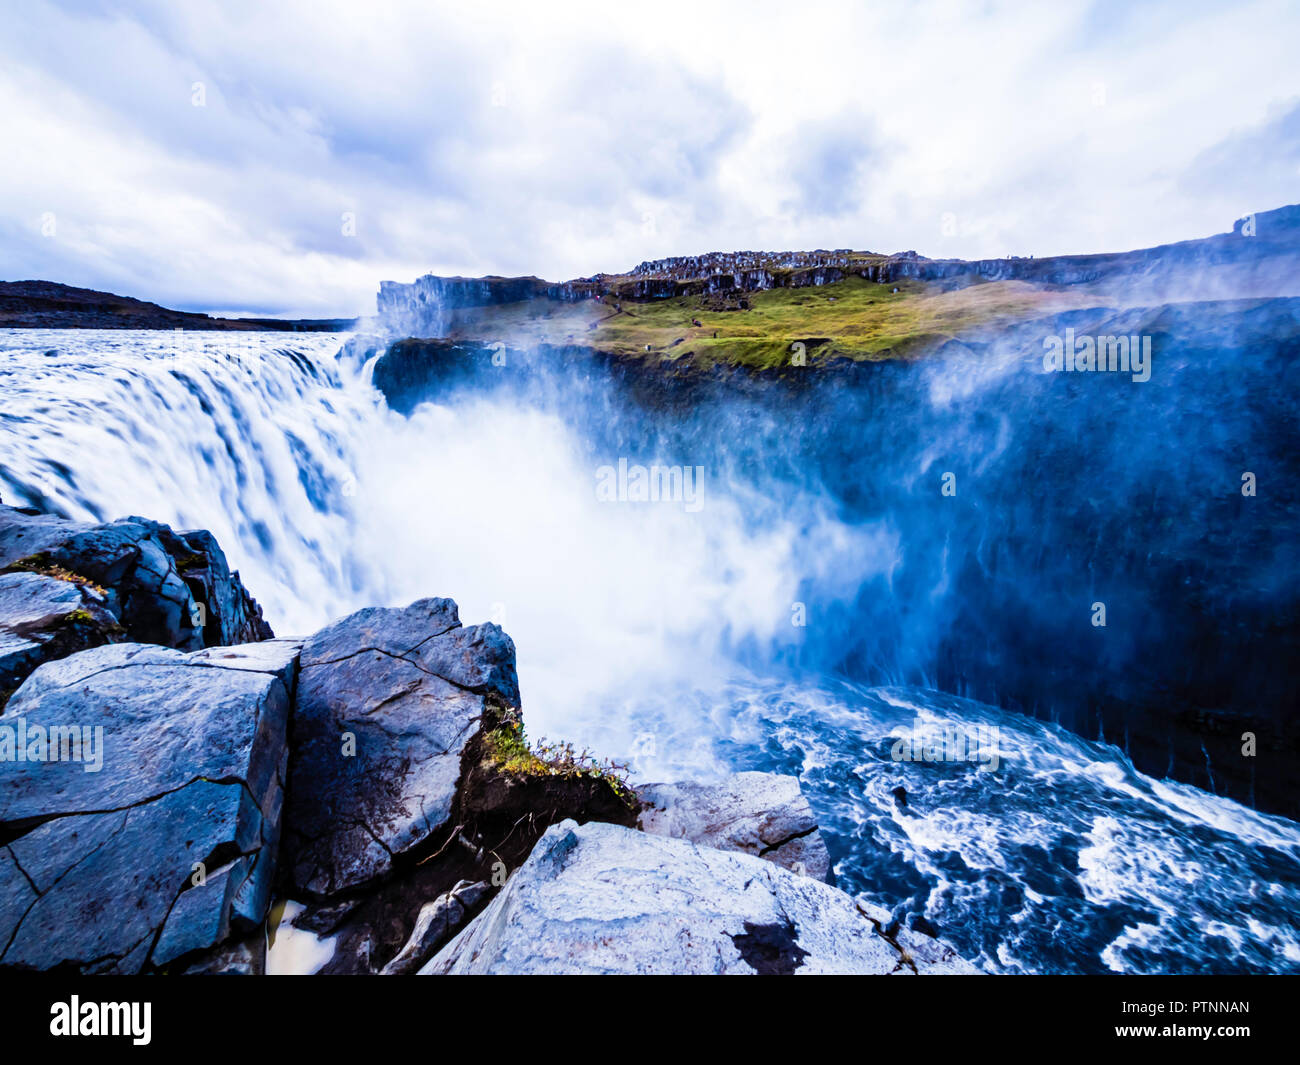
[763,814]
[154,839]
[388,700]
[42,618]
[602,899]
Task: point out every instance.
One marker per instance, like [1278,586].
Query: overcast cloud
[205,155]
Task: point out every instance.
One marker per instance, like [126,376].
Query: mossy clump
[43,565]
[83,618]
[508,747]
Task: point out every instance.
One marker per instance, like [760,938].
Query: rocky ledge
[600,899]
[66,586]
[363,800]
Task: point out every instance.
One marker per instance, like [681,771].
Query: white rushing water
[1063,859]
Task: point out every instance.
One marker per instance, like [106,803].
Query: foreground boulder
[601,899]
[410,779]
[164,587]
[388,700]
[43,618]
[763,814]
[142,822]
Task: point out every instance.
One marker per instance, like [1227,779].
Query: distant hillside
[49,305]
[750,308]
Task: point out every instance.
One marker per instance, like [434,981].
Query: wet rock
[388,701]
[763,814]
[43,618]
[601,899]
[244,958]
[410,777]
[148,833]
[438,922]
[919,944]
[163,587]
[412,370]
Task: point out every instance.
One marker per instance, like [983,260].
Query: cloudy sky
[283,158]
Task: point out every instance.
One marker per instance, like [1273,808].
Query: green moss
[508,747]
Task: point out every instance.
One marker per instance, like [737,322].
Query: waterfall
[671,637]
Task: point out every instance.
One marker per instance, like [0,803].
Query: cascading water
[660,634]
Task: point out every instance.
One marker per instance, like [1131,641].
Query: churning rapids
[654,634]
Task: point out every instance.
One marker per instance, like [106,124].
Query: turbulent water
[662,635]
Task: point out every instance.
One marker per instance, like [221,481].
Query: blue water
[665,638]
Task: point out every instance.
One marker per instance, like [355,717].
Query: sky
[284,158]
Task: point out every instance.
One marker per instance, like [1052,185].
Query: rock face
[410,371]
[600,899]
[388,701]
[425,307]
[147,832]
[162,587]
[439,920]
[43,618]
[762,814]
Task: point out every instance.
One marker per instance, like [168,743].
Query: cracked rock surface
[42,618]
[388,700]
[602,899]
[169,848]
[165,587]
[763,814]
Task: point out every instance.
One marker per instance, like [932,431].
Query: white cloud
[517,139]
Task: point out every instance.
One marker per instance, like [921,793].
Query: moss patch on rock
[43,565]
[508,748]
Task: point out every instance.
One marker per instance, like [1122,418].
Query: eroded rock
[763,814]
[602,899]
[164,587]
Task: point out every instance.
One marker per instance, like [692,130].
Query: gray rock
[161,842]
[601,899]
[169,588]
[439,920]
[388,700]
[763,814]
[42,618]
[247,957]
